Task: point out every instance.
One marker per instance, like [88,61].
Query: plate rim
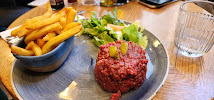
[149,98]
[167,70]
[12,83]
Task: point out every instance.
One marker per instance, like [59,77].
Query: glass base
[88,2]
[73,3]
[189,54]
[114,4]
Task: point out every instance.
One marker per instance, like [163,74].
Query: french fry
[71,15]
[21,31]
[15,31]
[36,49]
[30,35]
[42,17]
[42,32]
[63,21]
[79,33]
[46,22]
[58,32]
[52,43]
[29,45]
[21,51]
[48,6]
[49,36]
[70,26]
[67,10]
[63,10]
[24,32]
[40,42]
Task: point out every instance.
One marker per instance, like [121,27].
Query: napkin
[6,33]
[37,3]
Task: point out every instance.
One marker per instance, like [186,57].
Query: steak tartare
[122,68]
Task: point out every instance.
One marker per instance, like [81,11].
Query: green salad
[102,34]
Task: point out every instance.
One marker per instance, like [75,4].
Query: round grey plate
[75,78]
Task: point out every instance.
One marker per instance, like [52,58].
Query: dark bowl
[49,61]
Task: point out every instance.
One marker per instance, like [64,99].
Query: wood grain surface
[188,78]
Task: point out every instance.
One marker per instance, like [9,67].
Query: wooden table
[188,78]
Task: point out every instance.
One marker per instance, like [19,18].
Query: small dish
[75,79]
[49,61]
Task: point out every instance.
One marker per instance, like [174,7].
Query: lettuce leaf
[143,42]
[107,38]
[131,33]
[110,18]
[98,41]
[97,28]
[92,31]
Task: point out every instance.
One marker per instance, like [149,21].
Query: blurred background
[10,10]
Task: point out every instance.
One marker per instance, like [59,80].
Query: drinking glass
[109,3]
[195,28]
[72,2]
[89,2]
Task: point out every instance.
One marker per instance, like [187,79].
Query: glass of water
[195,28]
[89,2]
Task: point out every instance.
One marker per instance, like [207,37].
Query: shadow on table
[11,10]
[183,64]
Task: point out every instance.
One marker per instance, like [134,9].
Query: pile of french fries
[44,33]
